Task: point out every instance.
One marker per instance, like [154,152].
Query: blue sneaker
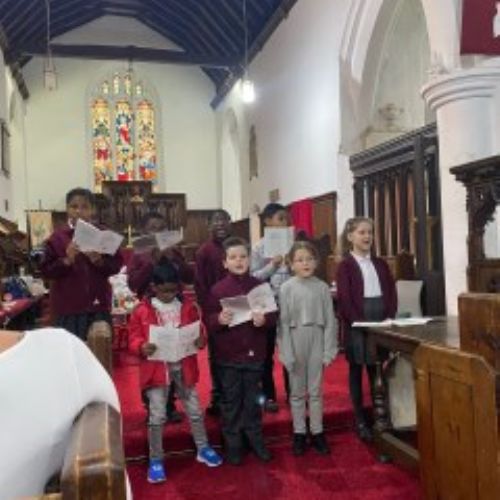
[209,457]
[156,471]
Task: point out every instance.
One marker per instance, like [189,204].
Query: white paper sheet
[277,241]
[162,240]
[260,299]
[392,322]
[372,324]
[174,344]
[91,239]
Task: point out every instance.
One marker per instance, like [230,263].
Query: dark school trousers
[241,410]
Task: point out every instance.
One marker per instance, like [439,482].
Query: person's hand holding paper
[250,307]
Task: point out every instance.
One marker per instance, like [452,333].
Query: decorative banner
[481,27]
[40,227]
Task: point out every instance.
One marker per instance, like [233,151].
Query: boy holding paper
[240,351]
[271,268]
[80,292]
[165,309]
[141,264]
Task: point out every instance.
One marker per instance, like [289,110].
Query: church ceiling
[210,33]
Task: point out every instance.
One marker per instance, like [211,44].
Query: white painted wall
[296,112]
[12,191]
[5,182]
[57,135]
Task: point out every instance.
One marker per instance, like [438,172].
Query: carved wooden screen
[397,185]
[482,180]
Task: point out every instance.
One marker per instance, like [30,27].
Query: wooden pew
[99,340]
[94,464]
[479,316]
[457,425]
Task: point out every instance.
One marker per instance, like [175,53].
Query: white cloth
[371,283]
[46,379]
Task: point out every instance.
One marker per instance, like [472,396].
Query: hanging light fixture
[49,69]
[247,86]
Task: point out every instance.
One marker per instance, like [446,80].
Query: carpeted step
[177,437]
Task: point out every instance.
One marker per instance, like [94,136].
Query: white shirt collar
[362,258]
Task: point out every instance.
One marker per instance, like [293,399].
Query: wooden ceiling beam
[187,34]
[110,52]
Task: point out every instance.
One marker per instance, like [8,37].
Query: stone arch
[368,27]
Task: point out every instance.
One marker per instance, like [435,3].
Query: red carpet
[337,407]
[351,472]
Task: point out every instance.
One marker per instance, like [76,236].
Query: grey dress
[307,341]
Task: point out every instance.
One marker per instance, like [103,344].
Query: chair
[409,297]
[457,425]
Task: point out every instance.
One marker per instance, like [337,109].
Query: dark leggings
[356,387]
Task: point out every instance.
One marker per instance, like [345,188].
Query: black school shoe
[364,432]
[319,443]
[261,452]
[299,444]
[233,456]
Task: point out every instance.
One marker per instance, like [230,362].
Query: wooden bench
[479,315]
[457,425]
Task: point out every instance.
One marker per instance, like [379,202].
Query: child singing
[366,292]
[80,292]
[275,271]
[308,343]
[166,308]
[240,352]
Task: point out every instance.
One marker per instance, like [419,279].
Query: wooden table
[404,340]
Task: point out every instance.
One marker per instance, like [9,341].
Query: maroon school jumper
[209,268]
[140,270]
[81,287]
[240,344]
[350,289]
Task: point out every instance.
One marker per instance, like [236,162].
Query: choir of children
[241,355]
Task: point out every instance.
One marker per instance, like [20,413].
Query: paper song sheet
[393,322]
[91,239]
[162,240]
[260,299]
[277,241]
[174,344]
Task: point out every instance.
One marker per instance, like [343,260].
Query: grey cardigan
[306,302]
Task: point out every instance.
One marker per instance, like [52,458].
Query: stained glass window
[123,121]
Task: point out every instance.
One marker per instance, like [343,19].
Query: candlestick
[129,233]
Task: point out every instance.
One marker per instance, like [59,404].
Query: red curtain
[480,27]
[301,213]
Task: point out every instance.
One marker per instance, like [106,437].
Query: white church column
[464,101]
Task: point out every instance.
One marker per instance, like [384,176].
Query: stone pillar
[464,101]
